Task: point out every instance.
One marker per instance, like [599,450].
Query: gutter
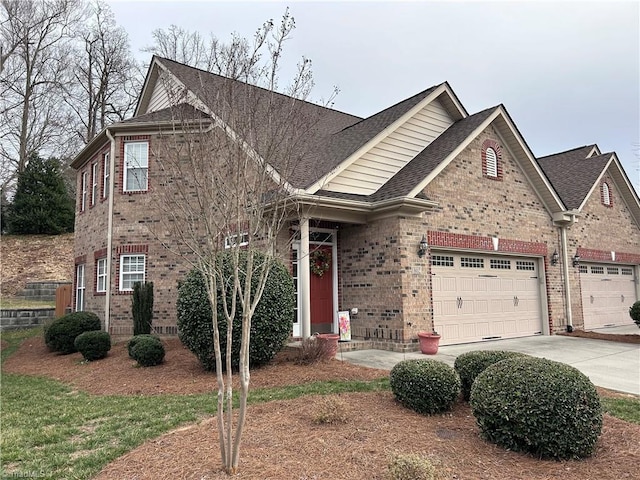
[564,220]
[112,173]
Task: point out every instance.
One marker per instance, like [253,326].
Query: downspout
[565,267]
[112,172]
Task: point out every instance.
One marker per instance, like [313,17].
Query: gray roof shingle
[572,174]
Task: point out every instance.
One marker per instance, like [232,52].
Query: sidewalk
[612,365]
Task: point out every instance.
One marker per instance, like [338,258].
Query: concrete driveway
[611,365]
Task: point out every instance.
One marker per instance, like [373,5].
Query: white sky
[567,72]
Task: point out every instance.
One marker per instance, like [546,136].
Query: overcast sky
[567,72]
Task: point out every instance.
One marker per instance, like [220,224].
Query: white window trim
[105,175]
[230,240]
[101,278]
[126,168]
[94,183]
[83,202]
[80,287]
[122,273]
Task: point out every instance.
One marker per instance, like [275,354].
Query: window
[612,271]
[526,265]
[597,270]
[626,271]
[79,288]
[584,269]
[94,183]
[491,160]
[442,260]
[500,264]
[606,194]
[231,240]
[101,275]
[105,175]
[131,271]
[471,262]
[136,166]
[83,191]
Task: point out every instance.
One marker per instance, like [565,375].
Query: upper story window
[83,191]
[106,171]
[605,194]
[101,275]
[491,160]
[94,183]
[136,167]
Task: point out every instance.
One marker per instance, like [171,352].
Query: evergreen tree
[42,204]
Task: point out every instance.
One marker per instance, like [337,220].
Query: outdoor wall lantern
[422,248]
[576,260]
[555,258]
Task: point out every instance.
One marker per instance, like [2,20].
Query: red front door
[322,295]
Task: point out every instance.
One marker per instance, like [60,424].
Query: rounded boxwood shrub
[426,386]
[93,345]
[148,351]
[634,313]
[537,406]
[61,333]
[271,324]
[471,364]
[132,343]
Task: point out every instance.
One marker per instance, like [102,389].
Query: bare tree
[225,171]
[106,78]
[35,67]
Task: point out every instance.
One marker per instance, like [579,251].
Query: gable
[390,154]
[475,204]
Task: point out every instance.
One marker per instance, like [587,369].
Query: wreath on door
[320,262]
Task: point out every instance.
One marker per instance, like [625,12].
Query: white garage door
[607,293]
[482,297]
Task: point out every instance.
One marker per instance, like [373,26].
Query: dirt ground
[282,440]
[34,258]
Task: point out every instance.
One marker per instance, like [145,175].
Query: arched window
[606,194]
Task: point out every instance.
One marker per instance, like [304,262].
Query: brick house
[431,218]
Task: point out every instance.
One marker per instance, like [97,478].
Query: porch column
[305,280]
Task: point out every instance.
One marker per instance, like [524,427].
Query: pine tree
[42,204]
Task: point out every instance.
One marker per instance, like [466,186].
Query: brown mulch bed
[282,440]
[624,338]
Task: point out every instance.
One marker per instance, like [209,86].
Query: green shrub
[426,386]
[410,466]
[270,327]
[93,345]
[142,307]
[148,351]
[132,343]
[471,364]
[634,312]
[61,333]
[538,406]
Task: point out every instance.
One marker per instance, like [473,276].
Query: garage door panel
[607,293]
[492,295]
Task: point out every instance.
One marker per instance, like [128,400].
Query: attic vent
[492,163]
[491,160]
[606,194]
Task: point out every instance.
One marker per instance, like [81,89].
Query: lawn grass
[51,431]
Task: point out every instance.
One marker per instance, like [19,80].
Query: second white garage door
[607,293]
[481,297]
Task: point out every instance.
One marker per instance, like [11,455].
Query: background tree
[42,204]
[223,187]
[37,35]
[106,77]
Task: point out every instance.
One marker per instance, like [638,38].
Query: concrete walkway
[608,364]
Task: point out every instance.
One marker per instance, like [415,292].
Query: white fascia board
[378,138]
[89,149]
[594,151]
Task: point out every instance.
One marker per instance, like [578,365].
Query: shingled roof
[572,174]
